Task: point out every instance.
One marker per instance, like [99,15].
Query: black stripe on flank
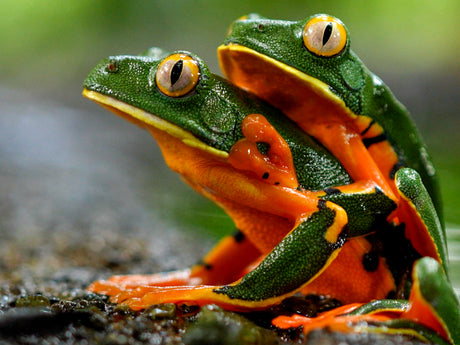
[374,140]
[342,238]
[239,236]
[368,127]
[332,191]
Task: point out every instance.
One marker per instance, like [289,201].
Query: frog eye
[177,75]
[324,36]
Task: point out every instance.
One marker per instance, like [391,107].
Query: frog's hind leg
[296,260]
[225,263]
[423,226]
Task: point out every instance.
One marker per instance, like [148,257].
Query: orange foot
[141,297]
[117,285]
[335,319]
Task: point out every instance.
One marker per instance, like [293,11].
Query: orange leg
[224,264]
[348,147]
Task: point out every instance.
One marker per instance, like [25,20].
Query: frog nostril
[112,67]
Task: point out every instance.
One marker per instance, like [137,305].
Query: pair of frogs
[322,170]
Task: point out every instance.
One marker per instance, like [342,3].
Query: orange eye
[324,36]
[177,75]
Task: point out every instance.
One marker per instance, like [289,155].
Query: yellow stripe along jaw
[146,119]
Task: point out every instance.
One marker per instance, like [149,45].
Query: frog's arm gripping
[423,227]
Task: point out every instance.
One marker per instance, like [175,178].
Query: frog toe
[104,287]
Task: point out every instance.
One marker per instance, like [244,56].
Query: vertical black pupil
[176,71]
[327,33]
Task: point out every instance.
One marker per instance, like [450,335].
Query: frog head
[175,94]
[316,49]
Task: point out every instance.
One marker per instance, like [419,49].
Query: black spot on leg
[205,265]
[239,236]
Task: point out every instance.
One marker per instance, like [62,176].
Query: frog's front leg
[417,212]
[296,260]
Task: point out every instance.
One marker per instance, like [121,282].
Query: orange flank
[364,286]
[214,175]
[226,261]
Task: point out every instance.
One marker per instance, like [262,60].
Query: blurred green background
[49,131]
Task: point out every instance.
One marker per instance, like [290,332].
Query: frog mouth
[278,83]
[150,121]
